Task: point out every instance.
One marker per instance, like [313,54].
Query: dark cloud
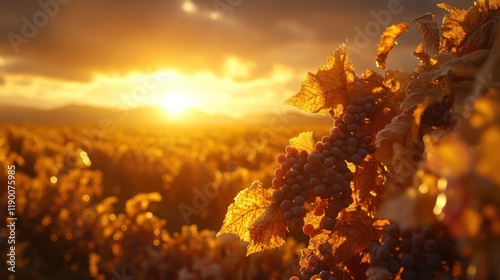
[83,38]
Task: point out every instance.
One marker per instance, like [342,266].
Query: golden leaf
[388,41]
[332,85]
[465,31]
[268,231]
[254,217]
[304,141]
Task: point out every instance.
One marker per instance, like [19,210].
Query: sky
[222,56]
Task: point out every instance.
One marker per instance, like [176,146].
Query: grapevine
[406,167]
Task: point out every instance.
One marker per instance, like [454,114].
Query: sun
[176,103]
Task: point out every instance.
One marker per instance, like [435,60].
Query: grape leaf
[365,182]
[357,266]
[388,41]
[253,216]
[268,231]
[304,141]
[332,85]
[429,33]
[370,83]
[394,132]
[350,236]
[396,82]
[465,31]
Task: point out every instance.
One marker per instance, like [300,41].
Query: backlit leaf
[268,231]
[388,41]
[255,218]
[465,31]
[304,141]
[332,85]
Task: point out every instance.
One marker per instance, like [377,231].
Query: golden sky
[222,56]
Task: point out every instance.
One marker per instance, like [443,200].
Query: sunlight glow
[177,103]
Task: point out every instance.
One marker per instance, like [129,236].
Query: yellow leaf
[304,141]
[254,217]
[332,85]
[388,41]
[268,231]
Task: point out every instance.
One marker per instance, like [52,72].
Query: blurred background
[133,124]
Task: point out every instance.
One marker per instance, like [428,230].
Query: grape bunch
[314,267]
[415,254]
[302,177]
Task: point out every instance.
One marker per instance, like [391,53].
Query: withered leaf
[253,217]
[465,31]
[429,33]
[304,141]
[394,132]
[388,41]
[332,85]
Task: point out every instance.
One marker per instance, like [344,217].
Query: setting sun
[177,103]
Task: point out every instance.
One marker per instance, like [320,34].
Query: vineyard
[100,208]
[402,184]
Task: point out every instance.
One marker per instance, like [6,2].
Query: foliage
[436,130]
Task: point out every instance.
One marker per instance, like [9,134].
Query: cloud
[84,38]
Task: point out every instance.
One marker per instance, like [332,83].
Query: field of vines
[133,202]
[402,185]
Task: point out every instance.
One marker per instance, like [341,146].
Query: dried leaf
[465,31]
[304,141]
[249,217]
[332,85]
[417,92]
[395,132]
[388,41]
[429,33]
[268,232]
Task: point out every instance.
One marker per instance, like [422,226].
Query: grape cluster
[314,266]
[324,173]
[414,254]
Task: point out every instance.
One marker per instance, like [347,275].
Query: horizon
[128,54]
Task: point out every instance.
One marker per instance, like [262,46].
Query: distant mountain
[150,115]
